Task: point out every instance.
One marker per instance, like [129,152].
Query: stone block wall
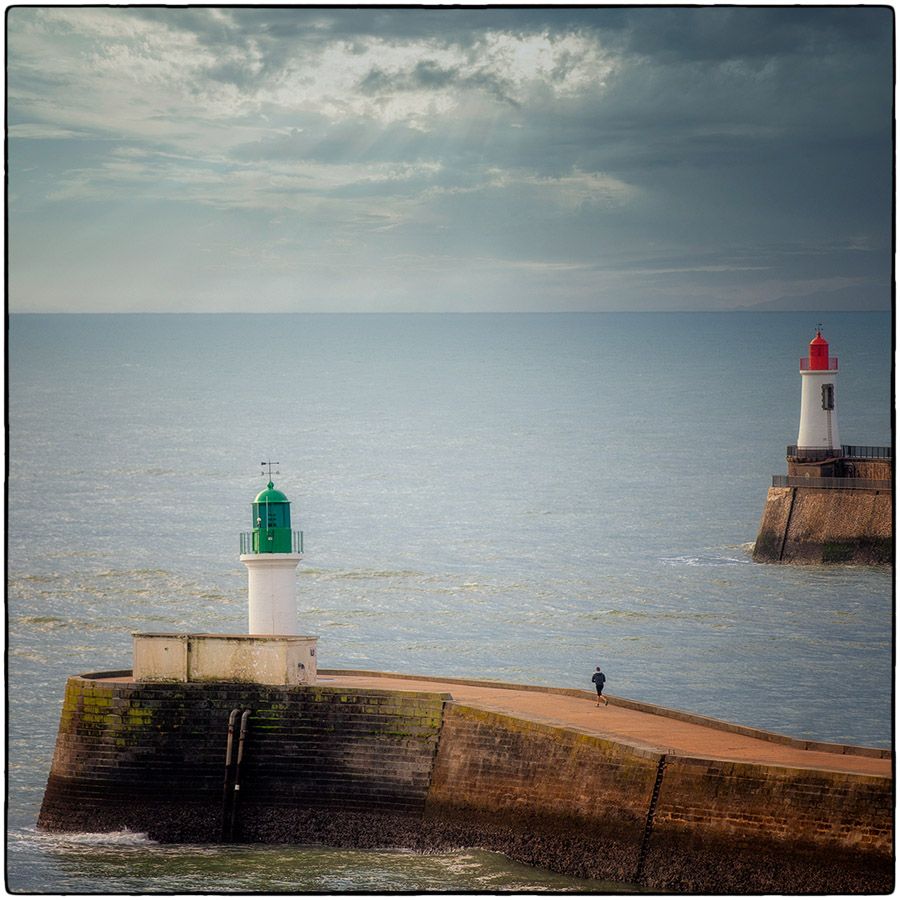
[497,765]
[867,468]
[842,467]
[584,805]
[772,534]
[544,795]
[151,757]
[817,525]
[807,806]
[768,829]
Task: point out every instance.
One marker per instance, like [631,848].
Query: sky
[455,160]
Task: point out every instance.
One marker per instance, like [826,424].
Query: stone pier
[630,792]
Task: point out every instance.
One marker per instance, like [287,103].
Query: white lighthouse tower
[271,553]
[818,412]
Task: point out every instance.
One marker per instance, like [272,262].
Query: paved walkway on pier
[645,729]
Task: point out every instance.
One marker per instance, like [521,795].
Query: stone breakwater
[814,525]
[364,767]
[833,510]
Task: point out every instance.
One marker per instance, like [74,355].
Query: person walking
[599,680]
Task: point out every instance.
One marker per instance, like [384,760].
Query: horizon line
[480,312]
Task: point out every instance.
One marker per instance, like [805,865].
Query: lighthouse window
[276,515]
[827,396]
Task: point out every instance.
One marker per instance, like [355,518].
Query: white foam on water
[703,561]
[94,840]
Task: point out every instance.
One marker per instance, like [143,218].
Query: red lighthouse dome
[818,352]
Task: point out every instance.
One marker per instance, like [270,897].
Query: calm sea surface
[517,497]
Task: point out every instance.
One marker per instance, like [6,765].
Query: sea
[514,496]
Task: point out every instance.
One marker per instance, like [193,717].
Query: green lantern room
[271,525]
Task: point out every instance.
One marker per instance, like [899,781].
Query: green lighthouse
[271,525]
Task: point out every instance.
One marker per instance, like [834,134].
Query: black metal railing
[858,484]
[848,451]
[812,455]
[860,451]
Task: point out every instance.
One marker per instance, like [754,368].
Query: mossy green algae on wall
[150,757]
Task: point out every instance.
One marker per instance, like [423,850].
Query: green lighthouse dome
[272,522]
[271,495]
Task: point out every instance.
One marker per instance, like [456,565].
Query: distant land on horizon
[857,298]
[861,298]
[781,305]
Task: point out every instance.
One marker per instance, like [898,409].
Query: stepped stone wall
[818,525]
[380,768]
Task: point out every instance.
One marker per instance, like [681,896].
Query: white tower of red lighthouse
[818,412]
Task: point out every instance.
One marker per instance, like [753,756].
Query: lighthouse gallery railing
[806,365]
[848,451]
[247,542]
[852,484]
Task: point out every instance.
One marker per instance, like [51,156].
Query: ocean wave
[652,615]
[355,574]
[27,654]
[22,624]
[31,578]
[76,840]
[703,561]
[131,573]
[124,838]
[42,622]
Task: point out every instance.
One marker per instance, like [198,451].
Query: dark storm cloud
[665,34]
[786,69]
[647,145]
[430,75]
[276,36]
[727,33]
[464,27]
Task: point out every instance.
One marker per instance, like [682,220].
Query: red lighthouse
[818,415]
